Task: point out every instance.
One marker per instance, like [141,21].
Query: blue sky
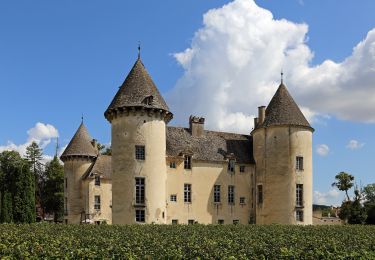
[62,59]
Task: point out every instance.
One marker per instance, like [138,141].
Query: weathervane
[282,76]
[139,49]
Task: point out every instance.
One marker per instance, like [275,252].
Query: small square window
[242,200]
[173,198]
[242,168]
[220,221]
[299,215]
[299,163]
[260,194]
[174,221]
[140,152]
[140,215]
[97,180]
[172,165]
[191,221]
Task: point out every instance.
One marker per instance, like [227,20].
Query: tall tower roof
[80,145]
[137,91]
[283,110]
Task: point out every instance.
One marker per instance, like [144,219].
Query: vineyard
[182,241]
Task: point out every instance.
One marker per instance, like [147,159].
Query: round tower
[282,147]
[138,115]
[77,157]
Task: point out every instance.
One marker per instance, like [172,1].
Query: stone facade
[173,175]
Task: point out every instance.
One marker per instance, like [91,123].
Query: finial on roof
[139,49]
[282,76]
[82,118]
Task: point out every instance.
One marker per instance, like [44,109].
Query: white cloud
[232,66]
[41,133]
[354,145]
[322,149]
[332,197]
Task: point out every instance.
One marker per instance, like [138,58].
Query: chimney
[196,125]
[94,143]
[255,122]
[261,114]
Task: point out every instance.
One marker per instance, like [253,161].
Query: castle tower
[77,157]
[283,154]
[138,115]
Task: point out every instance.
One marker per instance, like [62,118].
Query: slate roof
[211,146]
[80,145]
[136,90]
[283,110]
[101,166]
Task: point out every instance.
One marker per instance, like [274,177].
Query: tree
[34,155]
[17,189]
[104,150]
[369,195]
[344,182]
[53,198]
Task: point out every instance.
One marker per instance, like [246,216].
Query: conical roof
[138,90]
[283,110]
[80,145]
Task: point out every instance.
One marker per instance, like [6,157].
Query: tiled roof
[283,110]
[80,145]
[138,90]
[211,146]
[102,166]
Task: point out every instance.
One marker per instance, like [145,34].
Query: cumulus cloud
[232,66]
[322,149]
[354,145]
[332,197]
[41,133]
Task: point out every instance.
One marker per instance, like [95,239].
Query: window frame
[187,193]
[232,166]
[299,163]
[231,194]
[173,196]
[242,201]
[242,168]
[97,180]
[187,162]
[140,216]
[172,165]
[217,193]
[299,215]
[140,190]
[97,202]
[260,194]
[299,195]
[140,152]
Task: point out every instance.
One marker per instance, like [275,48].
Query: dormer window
[187,162]
[97,180]
[148,100]
[231,165]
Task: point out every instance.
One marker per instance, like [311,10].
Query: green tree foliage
[104,150]
[53,198]
[344,182]
[17,189]
[369,195]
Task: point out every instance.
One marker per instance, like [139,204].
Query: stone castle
[174,175]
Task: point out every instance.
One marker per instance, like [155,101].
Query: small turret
[283,155]
[77,157]
[138,115]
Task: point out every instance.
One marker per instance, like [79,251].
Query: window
[66,206]
[174,221]
[191,221]
[140,152]
[242,200]
[140,215]
[242,168]
[97,202]
[236,221]
[187,162]
[231,166]
[220,221]
[139,190]
[231,194]
[299,195]
[260,194]
[299,215]
[148,100]
[299,163]
[217,194]
[187,193]
[172,165]
[66,183]
[97,180]
[173,198]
